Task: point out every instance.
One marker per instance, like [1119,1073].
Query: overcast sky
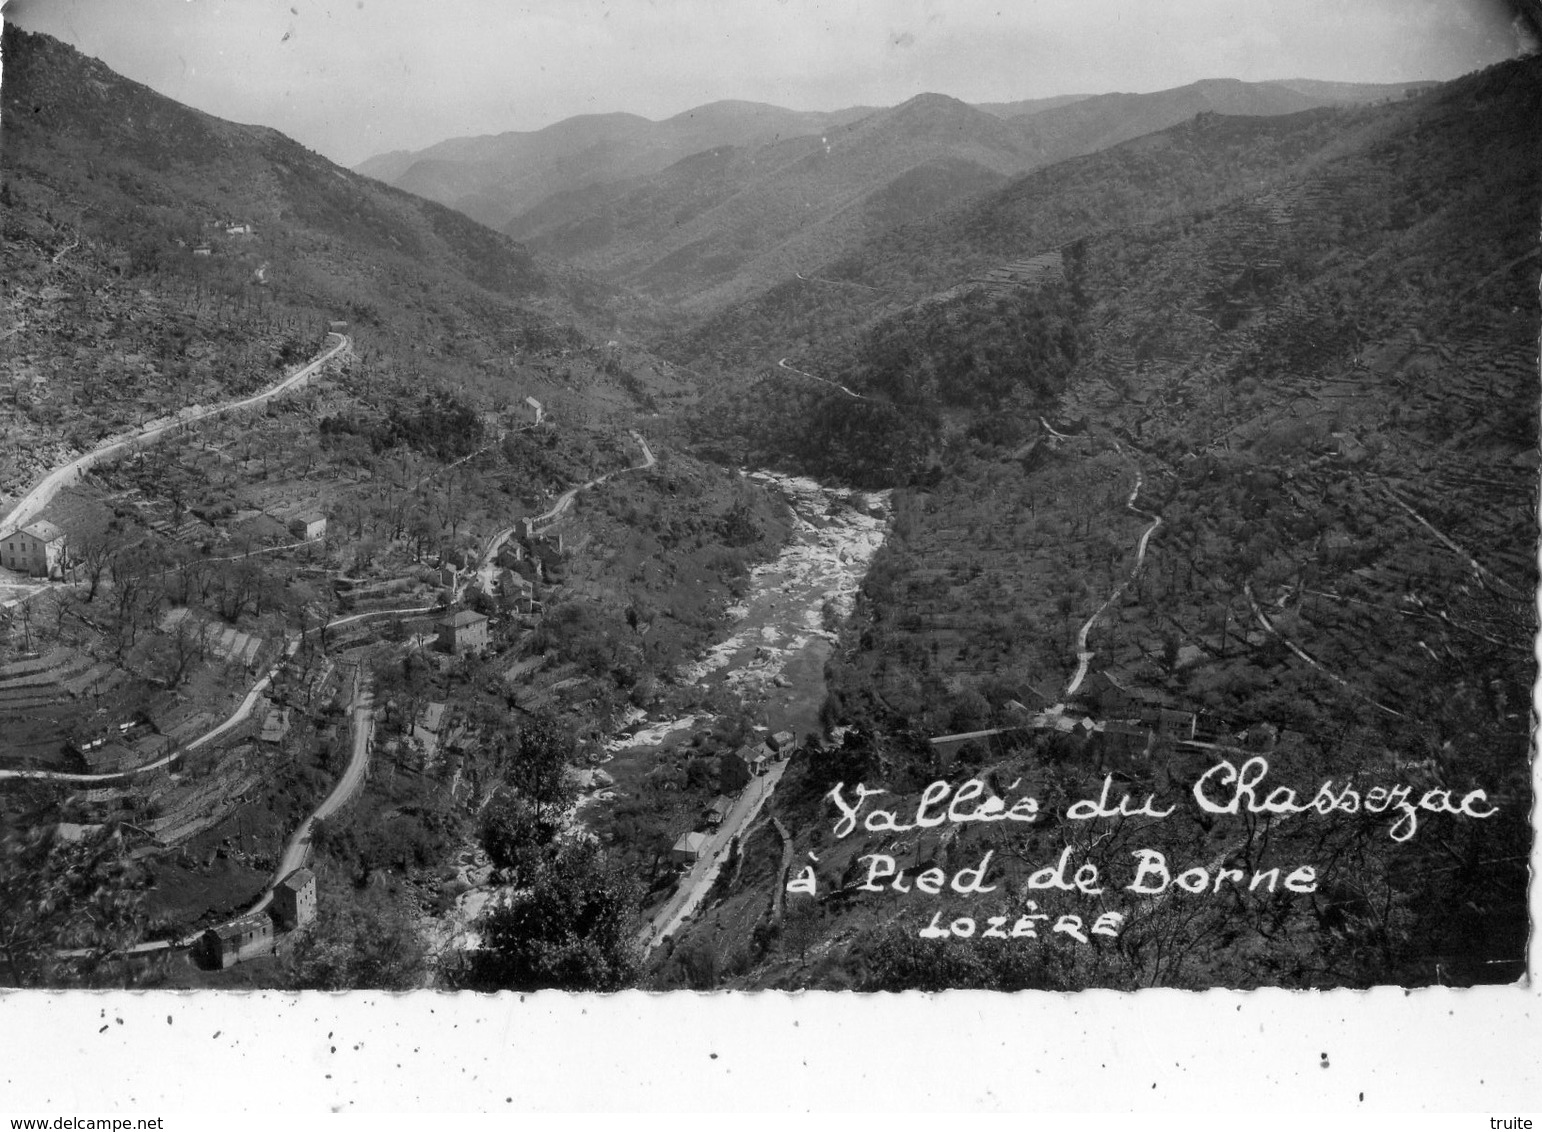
[351,78]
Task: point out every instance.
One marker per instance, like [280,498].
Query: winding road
[565,500]
[842,283]
[298,849]
[42,492]
[1083,654]
[236,718]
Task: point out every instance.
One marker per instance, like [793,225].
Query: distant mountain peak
[932,112]
[930,99]
[936,107]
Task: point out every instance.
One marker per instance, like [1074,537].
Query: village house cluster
[736,769]
[292,907]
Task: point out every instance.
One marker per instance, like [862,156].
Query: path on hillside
[843,283]
[1455,547]
[816,377]
[1083,654]
[426,476]
[1247,588]
[42,492]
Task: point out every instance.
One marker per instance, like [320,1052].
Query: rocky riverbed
[774,654]
[784,628]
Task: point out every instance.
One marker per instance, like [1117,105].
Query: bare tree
[129,572]
[90,556]
[188,644]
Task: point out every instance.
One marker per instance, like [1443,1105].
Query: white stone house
[37,549]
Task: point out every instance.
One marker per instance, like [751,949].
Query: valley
[510,589]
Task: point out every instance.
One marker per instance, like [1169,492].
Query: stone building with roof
[36,549]
[294,900]
[232,943]
[719,810]
[310,526]
[464,632]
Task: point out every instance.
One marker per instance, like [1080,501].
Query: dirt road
[695,885]
[299,848]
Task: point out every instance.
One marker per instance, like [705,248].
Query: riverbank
[771,661]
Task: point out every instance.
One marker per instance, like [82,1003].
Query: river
[780,641]
[774,654]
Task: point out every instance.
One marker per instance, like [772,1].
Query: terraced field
[46,699]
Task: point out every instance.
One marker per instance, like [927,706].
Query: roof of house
[1120,727]
[43,531]
[297,879]
[311,517]
[691,842]
[433,716]
[464,618]
[276,725]
[721,804]
[245,924]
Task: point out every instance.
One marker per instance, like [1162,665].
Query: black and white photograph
[775,496]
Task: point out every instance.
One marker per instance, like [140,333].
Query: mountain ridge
[513,181]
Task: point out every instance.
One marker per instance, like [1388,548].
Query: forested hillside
[1205,161]
[1262,455]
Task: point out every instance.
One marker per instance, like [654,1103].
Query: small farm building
[466,631]
[689,849]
